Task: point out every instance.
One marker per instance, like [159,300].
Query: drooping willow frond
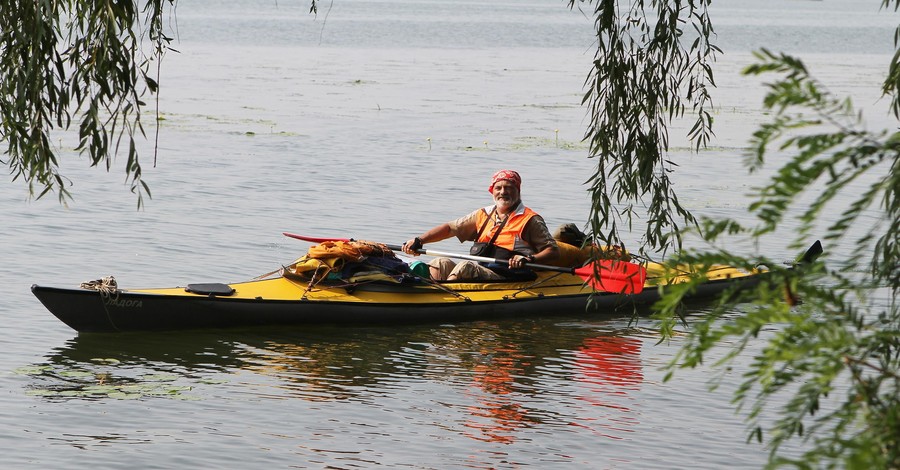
[646,72]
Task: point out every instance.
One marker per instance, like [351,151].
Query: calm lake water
[377,120]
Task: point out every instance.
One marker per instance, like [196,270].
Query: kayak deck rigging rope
[537,283]
[107,286]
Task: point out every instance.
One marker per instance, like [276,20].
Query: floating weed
[524,143]
[273,133]
[41,392]
[100,389]
[484,147]
[118,392]
[132,388]
[75,374]
[159,378]
[32,370]
[187,397]
[80,383]
[528,143]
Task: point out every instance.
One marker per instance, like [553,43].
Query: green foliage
[75,61]
[824,339]
[828,351]
[100,381]
[839,347]
[642,77]
[78,63]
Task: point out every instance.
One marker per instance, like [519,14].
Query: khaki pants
[445,269]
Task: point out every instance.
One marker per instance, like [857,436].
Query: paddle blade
[811,254]
[315,239]
[620,277]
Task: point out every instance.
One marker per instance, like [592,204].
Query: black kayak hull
[92,311]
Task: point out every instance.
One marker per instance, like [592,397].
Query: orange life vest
[510,237]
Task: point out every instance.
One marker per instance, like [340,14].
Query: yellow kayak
[293,300]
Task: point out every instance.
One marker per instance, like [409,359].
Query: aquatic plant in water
[82,382]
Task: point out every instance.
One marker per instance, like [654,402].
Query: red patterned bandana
[508,175]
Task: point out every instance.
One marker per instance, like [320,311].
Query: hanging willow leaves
[646,72]
[78,64]
[81,63]
[823,338]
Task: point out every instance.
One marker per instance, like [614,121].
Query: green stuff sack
[420,269]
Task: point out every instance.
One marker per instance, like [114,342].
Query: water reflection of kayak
[327,363]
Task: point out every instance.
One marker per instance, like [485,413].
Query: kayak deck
[286,289]
[291,301]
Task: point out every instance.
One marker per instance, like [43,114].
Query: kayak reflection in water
[506,230]
[606,370]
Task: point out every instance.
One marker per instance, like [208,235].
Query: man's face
[506,195]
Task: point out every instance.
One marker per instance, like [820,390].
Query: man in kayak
[507,231]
